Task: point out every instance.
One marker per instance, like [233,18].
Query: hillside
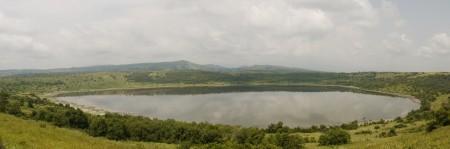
[174,65]
[40,135]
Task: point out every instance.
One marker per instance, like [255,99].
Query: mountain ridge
[158,66]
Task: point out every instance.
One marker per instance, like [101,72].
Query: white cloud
[319,34]
[398,44]
[438,45]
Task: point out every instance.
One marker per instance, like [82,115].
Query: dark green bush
[286,141]
[334,137]
[390,133]
[400,126]
[249,135]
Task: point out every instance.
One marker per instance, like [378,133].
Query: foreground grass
[407,138]
[17,133]
[438,139]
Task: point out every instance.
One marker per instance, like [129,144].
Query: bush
[363,132]
[3,101]
[390,133]
[350,126]
[431,126]
[286,141]
[400,126]
[250,136]
[277,128]
[334,137]
[13,108]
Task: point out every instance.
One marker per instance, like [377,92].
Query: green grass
[407,138]
[437,104]
[438,139]
[17,133]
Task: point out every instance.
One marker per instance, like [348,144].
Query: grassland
[17,133]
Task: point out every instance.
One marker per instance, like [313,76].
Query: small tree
[334,137]
[249,135]
[286,141]
[98,127]
[3,101]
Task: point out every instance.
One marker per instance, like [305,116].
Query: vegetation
[22,134]
[334,137]
[17,97]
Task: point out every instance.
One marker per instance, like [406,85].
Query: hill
[41,135]
[174,65]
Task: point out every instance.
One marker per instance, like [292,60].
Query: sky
[337,35]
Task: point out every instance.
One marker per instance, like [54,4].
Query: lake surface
[255,108]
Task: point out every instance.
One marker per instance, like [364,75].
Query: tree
[277,128]
[286,141]
[3,101]
[249,135]
[334,137]
[76,119]
[350,126]
[98,127]
[13,108]
[116,130]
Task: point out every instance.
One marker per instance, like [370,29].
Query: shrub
[249,135]
[350,126]
[363,132]
[286,141]
[400,126]
[13,108]
[431,126]
[277,128]
[334,137]
[390,133]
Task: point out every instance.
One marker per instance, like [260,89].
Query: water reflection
[256,108]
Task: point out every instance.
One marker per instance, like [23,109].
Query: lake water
[255,108]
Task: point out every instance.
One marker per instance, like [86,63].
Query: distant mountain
[174,65]
[271,69]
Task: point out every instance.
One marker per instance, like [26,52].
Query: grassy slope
[437,139]
[405,139]
[19,133]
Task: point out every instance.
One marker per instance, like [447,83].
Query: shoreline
[169,86]
[99,111]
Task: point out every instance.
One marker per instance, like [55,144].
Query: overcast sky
[329,35]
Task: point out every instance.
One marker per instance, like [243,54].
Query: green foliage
[277,128]
[363,132]
[250,136]
[3,101]
[334,137]
[13,108]
[441,117]
[350,126]
[286,141]
[400,126]
[98,127]
[390,133]
[61,115]
[19,133]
